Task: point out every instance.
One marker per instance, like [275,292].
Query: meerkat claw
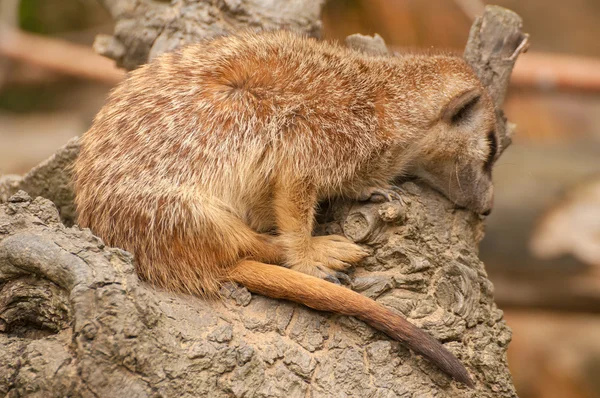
[397,189]
[332,279]
[343,277]
[337,277]
[377,194]
[398,193]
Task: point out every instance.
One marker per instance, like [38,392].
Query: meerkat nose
[487,212]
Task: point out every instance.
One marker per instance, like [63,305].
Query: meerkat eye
[493,143]
[460,107]
[464,111]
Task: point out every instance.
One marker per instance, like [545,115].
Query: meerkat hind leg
[268,250]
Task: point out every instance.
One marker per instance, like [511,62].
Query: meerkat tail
[282,283]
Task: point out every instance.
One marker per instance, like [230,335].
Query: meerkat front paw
[378,194]
[337,252]
[328,257]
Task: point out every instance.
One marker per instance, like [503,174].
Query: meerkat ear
[460,106]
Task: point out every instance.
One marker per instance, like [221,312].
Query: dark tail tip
[426,345]
[417,340]
[460,374]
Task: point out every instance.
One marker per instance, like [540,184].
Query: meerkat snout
[488,202]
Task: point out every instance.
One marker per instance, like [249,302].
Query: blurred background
[542,245]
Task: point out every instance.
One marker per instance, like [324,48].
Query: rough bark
[50,179]
[76,321]
[495,41]
[144,29]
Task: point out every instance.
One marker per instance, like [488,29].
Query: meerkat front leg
[321,256]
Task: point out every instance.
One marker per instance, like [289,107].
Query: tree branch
[495,41]
[57,55]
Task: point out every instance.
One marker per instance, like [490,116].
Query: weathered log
[144,29]
[75,319]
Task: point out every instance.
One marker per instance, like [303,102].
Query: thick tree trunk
[76,321]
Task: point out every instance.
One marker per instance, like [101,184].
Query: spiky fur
[198,155]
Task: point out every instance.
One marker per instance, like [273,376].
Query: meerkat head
[458,151]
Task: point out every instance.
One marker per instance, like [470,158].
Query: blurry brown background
[542,247]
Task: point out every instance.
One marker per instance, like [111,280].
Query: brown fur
[201,154]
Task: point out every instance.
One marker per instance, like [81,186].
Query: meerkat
[208,162]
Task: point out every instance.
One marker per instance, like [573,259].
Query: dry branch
[146,29]
[495,42]
[557,71]
[57,55]
[555,291]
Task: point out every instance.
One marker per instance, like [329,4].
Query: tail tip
[463,377]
